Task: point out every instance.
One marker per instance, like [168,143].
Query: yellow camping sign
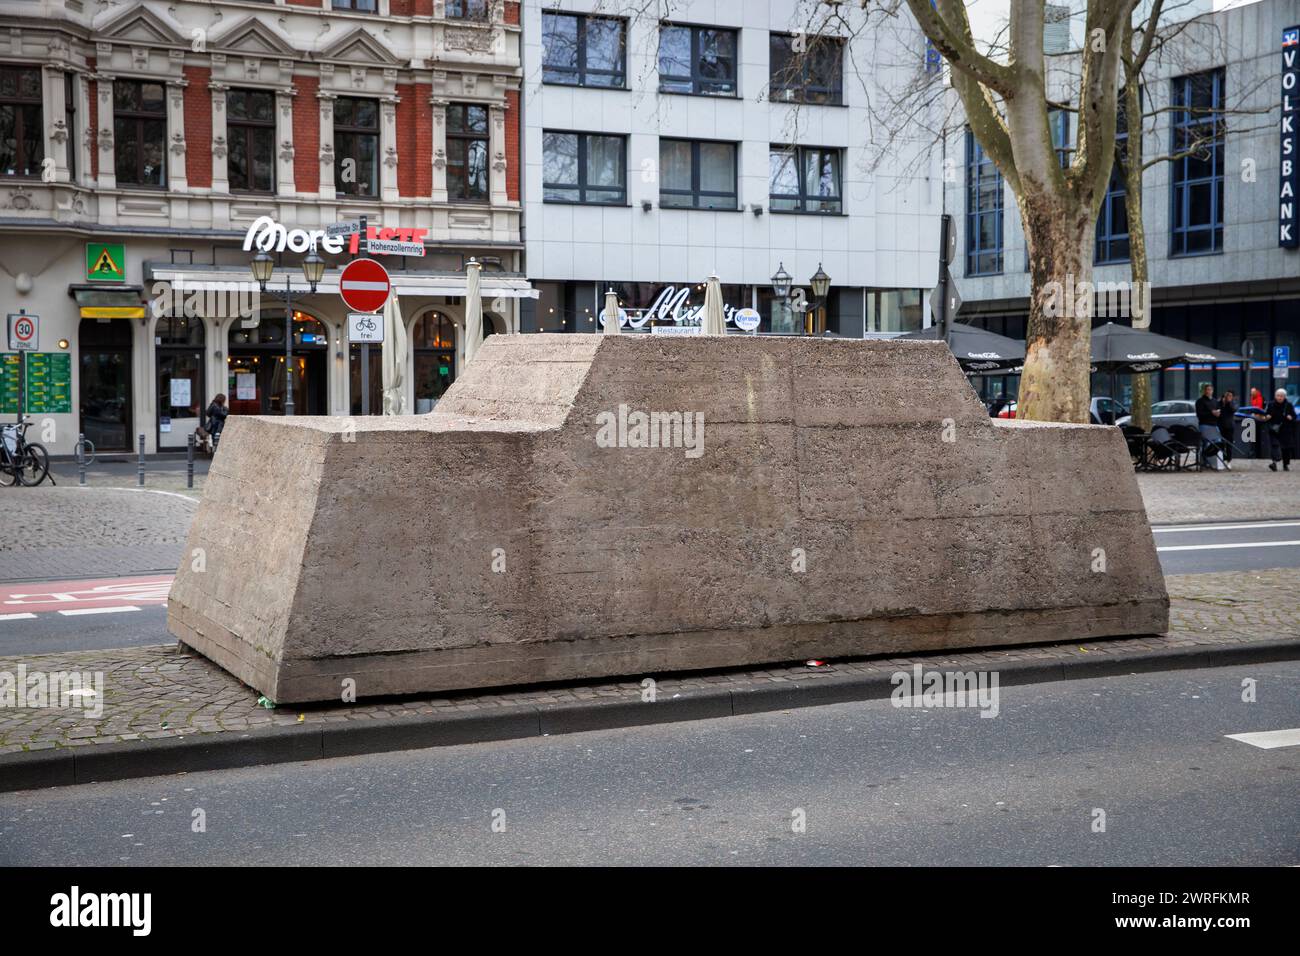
[105,262]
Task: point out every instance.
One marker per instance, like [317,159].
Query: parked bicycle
[21,462]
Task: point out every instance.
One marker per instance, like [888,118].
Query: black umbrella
[978,351]
[1122,348]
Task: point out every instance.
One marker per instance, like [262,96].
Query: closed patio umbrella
[611,313]
[394,358]
[977,350]
[714,322]
[473,310]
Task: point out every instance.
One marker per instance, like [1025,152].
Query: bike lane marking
[29,599]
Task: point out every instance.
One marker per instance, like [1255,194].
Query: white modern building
[732,139]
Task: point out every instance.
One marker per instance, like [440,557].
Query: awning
[99,303]
[449,284]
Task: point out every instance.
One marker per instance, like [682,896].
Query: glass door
[104,396]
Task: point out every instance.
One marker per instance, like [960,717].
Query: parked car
[1170,413]
[1100,411]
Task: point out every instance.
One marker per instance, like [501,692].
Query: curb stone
[65,766]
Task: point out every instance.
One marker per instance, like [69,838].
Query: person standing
[1207,421]
[1227,423]
[1280,415]
[1256,398]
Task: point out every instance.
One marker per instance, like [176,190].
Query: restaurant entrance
[255,370]
[104,398]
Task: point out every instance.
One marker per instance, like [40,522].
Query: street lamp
[313,267]
[821,287]
[781,282]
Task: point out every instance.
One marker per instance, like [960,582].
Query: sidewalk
[169,711]
[1246,493]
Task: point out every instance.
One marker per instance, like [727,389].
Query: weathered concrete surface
[331,554]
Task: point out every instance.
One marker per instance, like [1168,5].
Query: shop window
[140,133]
[356,147]
[467,153]
[250,133]
[22,140]
[178,346]
[433,343]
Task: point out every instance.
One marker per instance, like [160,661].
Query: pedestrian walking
[1280,415]
[1207,420]
[1227,423]
[216,418]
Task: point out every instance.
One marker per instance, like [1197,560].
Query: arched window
[255,380]
[433,340]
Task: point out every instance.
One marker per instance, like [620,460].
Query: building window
[356,147]
[1197,179]
[70,122]
[584,50]
[140,133]
[250,132]
[699,60]
[697,175]
[814,74]
[467,9]
[805,179]
[584,168]
[361,6]
[1112,220]
[983,211]
[22,141]
[178,345]
[467,153]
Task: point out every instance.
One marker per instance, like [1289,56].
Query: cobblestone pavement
[1246,493]
[157,692]
[69,532]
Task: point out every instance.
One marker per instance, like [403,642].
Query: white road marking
[353,285]
[1177,529]
[16,617]
[1222,547]
[1269,739]
[98,610]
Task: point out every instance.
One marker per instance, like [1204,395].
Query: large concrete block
[841,498]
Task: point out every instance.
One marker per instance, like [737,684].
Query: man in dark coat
[1207,421]
[1280,420]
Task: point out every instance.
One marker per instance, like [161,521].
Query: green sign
[105,262]
[49,383]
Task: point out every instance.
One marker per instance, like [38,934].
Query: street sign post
[391,247]
[343,228]
[365,328]
[24,332]
[365,285]
[1282,361]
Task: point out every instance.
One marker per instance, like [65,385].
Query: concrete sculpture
[584,506]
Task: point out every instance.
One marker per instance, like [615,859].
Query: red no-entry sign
[364,285]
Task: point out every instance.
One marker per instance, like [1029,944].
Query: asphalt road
[1218,547]
[874,784]
[1183,549]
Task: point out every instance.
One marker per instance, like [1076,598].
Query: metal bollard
[189,461]
[81,458]
[140,471]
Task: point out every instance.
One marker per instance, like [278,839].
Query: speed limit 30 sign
[23,332]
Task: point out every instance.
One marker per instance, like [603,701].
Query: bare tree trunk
[1055,385]
[1137,235]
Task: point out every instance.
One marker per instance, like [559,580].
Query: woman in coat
[1280,420]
